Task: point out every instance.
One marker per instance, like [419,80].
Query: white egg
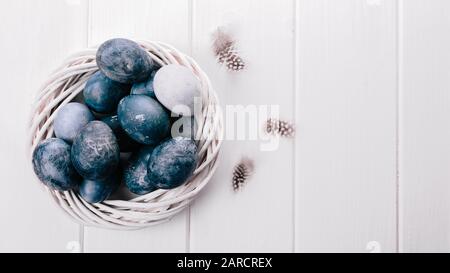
[176,87]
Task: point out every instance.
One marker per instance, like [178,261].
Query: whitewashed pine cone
[146,210]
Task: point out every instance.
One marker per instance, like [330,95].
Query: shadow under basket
[153,208]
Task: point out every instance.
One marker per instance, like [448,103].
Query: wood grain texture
[260,217]
[425,126]
[158,20]
[33,45]
[346,114]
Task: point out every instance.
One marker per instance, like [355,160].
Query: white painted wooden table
[366,81]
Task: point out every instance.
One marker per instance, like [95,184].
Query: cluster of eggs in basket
[127,109]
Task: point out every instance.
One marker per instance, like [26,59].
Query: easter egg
[124,61]
[102,94]
[95,191]
[176,87]
[52,165]
[95,153]
[126,144]
[144,88]
[135,172]
[143,119]
[70,119]
[172,163]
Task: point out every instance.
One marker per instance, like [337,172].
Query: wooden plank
[36,37]
[167,237]
[425,126]
[155,20]
[260,217]
[149,20]
[346,114]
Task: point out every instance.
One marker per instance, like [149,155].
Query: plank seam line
[191,50]
[81,237]
[398,122]
[296,21]
[88,40]
[89,23]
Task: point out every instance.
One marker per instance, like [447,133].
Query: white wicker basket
[146,210]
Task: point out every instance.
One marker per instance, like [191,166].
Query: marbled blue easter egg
[52,165]
[143,119]
[95,191]
[126,144]
[124,61]
[172,163]
[145,87]
[176,87]
[95,153]
[135,172]
[102,94]
[70,119]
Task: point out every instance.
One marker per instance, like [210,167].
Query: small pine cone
[242,171]
[280,127]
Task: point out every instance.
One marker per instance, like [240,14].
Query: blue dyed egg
[52,165]
[143,119]
[95,191]
[102,94]
[144,88]
[124,61]
[135,172]
[95,153]
[126,144]
[70,120]
[172,163]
